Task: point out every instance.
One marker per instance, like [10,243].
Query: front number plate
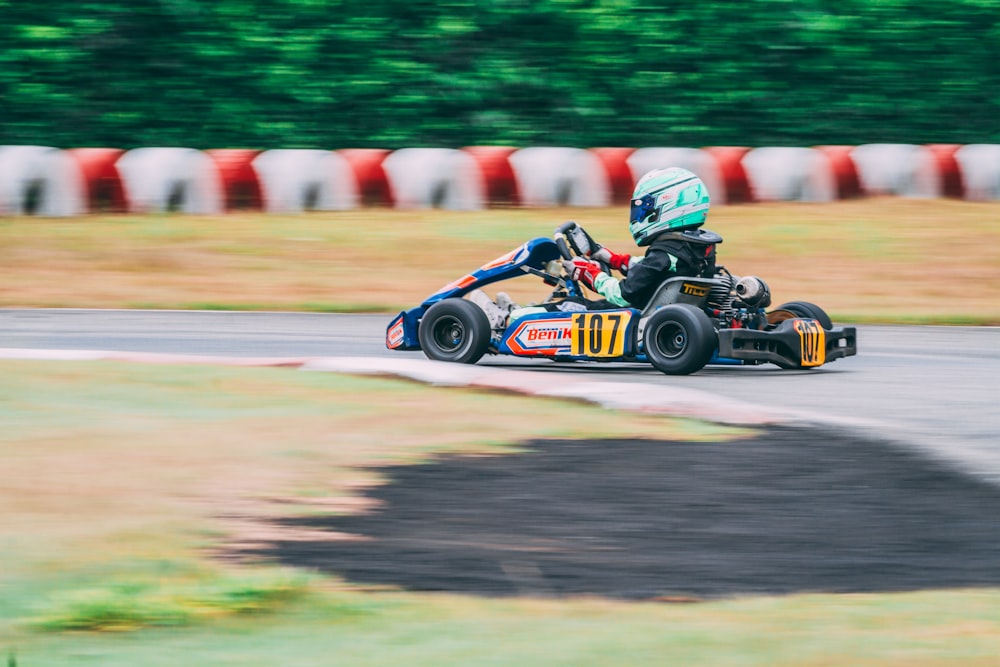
[599,334]
[812,340]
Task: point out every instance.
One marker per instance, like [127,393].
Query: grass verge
[120,482]
[133,603]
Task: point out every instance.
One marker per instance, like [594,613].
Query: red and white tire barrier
[734,176]
[296,180]
[980,169]
[621,176]
[779,173]
[558,176]
[435,178]
[39,180]
[699,162]
[949,170]
[165,179]
[103,186]
[241,188]
[902,170]
[373,183]
[845,171]
[497,173]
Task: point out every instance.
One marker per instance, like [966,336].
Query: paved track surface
[886,482]
[936,388]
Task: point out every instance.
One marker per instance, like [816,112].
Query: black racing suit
[689,253]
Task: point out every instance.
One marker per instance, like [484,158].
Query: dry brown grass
[869,260]
[108,459]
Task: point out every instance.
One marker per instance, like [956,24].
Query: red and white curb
[630,396]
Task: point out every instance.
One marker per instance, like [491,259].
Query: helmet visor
[643,208]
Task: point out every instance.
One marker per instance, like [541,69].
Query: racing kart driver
[668,207]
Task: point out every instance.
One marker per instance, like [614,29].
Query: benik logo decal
[541,337]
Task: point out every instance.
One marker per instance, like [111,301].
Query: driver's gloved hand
[618,262]
[582,270]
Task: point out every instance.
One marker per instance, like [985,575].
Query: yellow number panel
[599,334]
[813,342]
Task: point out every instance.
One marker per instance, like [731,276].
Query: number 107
[598,334]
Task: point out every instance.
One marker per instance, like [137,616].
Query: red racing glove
[582,270]
[616,261]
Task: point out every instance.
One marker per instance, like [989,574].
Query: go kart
[689,322]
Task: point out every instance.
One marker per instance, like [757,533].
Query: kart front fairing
[530,257]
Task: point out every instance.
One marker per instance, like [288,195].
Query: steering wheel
[572,240]
[570,246]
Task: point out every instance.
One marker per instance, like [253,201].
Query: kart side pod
[694,291]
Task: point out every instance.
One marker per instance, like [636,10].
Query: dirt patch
[790,510]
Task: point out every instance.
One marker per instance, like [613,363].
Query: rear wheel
[679,339]
[792,309]
[454,330]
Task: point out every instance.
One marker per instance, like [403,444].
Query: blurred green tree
[395,73]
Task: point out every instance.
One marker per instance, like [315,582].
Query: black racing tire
[454,330]
[679,339]
[800,309]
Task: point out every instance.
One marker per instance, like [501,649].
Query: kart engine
[720,297]
[754,292]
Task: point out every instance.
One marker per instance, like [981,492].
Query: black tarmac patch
[790,510]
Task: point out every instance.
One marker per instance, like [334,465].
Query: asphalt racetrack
[883,473]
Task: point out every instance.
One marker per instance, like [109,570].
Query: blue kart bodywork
[534,335]
[528,258]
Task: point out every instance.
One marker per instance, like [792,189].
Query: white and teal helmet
[667,200]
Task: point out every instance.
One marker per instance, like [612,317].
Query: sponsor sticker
[395,334]
[694,290]
[541,336]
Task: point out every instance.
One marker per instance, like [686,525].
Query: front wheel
[679,339]
[454,330]
[792,309]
